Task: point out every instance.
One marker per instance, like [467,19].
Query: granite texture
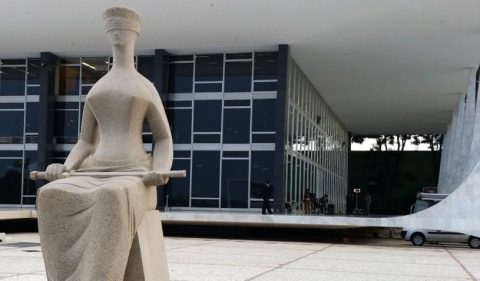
[107,228]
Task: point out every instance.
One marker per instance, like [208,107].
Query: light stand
[356,211]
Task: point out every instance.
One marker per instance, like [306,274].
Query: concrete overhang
[383,66]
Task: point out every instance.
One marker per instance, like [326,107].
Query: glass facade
[316,146]
[222,109]
[219,127]
[19,84]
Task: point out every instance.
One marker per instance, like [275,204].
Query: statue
[95,226]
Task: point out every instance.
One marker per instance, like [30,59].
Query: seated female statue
[87,225]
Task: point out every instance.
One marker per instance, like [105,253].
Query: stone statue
[107,228]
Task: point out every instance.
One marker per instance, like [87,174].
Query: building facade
[237,121]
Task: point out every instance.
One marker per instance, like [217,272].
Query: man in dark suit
[266,194]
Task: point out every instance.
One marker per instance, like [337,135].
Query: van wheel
[474,242]
[417,239]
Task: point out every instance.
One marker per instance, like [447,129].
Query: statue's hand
[55,171]
[154,178]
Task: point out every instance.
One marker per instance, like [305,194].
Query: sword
[36,175]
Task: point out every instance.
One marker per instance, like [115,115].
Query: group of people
[314,205]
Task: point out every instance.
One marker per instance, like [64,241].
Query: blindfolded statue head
[123,25]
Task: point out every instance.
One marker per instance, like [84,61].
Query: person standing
[266,194]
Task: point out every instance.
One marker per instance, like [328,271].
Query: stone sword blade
[36,175]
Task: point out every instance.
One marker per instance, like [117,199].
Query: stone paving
[217,259]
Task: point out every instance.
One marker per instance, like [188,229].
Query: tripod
[356,211]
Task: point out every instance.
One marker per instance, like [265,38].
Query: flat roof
[383,66]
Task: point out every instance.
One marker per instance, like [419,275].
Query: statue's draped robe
[87,225]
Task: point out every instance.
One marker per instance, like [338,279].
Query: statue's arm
[163,150]
[87,140]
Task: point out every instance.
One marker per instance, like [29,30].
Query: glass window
[207,116]
[236,102]
[12,61]
[235,184]
[208,87]
[10,181]
[182,103]
[29,186]
[180,77]
[265,86]
[180,121]
[181,58]
[11,131]
[205,203]
[261,171]
[12,81]
[31,124]
[33,90]
[69,80]
[235,154]
[263,138]
[263,115]
[209,67]
[93,69]
[33,71]
[236,56]
[205,173]
[236,125]
[266,66]
[210,138]
[238,76]
[66,125]
[181,153]
[146,67]
[179,188]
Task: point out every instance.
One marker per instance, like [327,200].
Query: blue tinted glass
[33,90]
[180,121]
[12,81]
[265,86]
[31,124]
[183,103]
[11,131]
[238,76]
[263,116]
[66,123]
[263,138]
[181,58]
[180,77]
[235,184]
[215,138]
[209,67]
[33,71]
[208,87]
[236,102]
[12,61]
[236,125]
[205,203]
[29,186]
[205,173]
[261,171]
[207,116]
[10,181]
[266,66]
[236,56]
[13,105]
[146,66]
[179,187]
[234,154]
[181,153]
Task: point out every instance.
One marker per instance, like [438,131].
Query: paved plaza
[222,259]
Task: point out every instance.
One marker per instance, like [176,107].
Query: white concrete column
[457,160]
[468,126]
[455,144]
[444,158]
[474,155]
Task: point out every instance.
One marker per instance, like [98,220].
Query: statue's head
[123,25]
